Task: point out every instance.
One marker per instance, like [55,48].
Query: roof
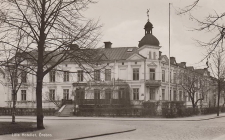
[202,71]
[173,61]
[182,64]
[148,25]
[120,53]
[190,68]
[149,39]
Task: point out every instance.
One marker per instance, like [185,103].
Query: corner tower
[149,38]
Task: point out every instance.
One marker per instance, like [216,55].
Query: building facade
[124,74]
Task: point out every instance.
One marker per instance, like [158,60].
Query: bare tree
[16,75]
[218,70]
[15,67]
[194,84]
[50,28]
[212,23]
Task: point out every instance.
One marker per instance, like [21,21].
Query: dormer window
[130,50]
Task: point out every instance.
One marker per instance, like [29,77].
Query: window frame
[136,74]
[80,75]
[135,93]
[66,76]
[152,74]
[66,94]
[52,94]
[97,75]
[52,76]
[23,95]
[107,74]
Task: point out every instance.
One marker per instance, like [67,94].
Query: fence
[145,112]
[27,111]
[117,112]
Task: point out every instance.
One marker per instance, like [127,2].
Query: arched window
[150,55]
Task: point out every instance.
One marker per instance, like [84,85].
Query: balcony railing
[153,83]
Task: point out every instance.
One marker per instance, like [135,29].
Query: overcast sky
[123,22]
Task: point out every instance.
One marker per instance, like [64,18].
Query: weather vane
[148,14]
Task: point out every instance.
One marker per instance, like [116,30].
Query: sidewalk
[84,127]
[68,129]
[192,118]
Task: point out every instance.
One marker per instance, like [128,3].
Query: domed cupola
[149,38]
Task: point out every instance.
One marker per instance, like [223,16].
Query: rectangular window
[174,78]
[170,95]
[97,75]
[108,94]
[80,75]
[52,76]
[180,95]
[152,74]
[154,55]
[24,77]
[66,94]
[66,76]
[23,95]
[150,55]
[136,74]
[196,96]
[52,94]
[135,94]
[152,94]
[108,75]
[96,94]
[189,98]
[163,94]
[163,75]
[174,95]
[122,94]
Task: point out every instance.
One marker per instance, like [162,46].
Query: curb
[105,134]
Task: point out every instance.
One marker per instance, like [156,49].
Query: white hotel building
[142,70]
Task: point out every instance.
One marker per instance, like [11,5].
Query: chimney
[108,45]
[183,63]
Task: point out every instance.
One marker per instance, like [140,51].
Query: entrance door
[97,94]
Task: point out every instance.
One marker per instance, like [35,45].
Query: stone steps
[66,111]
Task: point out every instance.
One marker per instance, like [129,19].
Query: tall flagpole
[169,54]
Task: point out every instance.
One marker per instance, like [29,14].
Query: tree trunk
[40,116]
[14,107]
[218,102]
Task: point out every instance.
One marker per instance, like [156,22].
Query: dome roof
[148,25]
[149,39]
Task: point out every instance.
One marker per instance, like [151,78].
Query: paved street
[170,130]
[191,128]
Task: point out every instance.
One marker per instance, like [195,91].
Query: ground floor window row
[180,95]
[120,94]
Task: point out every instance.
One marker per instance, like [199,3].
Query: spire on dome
[148,14]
